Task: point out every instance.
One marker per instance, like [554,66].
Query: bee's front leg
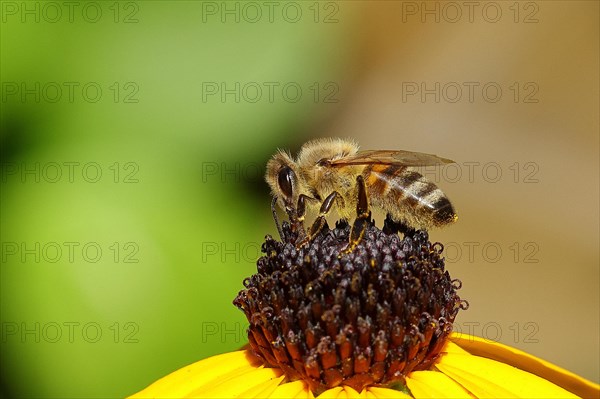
[321,221]
[363,217]
[296,217]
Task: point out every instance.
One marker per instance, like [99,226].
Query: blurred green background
[134,137]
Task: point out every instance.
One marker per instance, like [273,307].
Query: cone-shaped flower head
[368,317]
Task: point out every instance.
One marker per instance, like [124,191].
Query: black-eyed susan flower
[375,323]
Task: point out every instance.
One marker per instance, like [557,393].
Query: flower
[372,322]
[468,367]
[364,318]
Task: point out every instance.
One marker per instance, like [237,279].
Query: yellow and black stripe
[411,190]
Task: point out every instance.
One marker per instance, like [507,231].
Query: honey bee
[332,171]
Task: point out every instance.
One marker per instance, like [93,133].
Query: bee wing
[391,157]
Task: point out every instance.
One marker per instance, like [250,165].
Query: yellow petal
[451,347]
[486,378]
[343,394]
[353,393]
[385,393]
[261,390]
[305,394]
[188,379]
[290,390]
[524,361]
[330,393]
[231,385]
[369,394]
[433,384]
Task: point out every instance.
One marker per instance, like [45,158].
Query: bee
[333,172]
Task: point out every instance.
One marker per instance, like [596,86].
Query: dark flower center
[366,318]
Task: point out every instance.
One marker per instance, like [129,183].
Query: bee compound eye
[285,179]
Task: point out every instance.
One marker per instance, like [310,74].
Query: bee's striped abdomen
[378,177]
[407,195]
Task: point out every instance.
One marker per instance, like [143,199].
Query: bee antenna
[275,218]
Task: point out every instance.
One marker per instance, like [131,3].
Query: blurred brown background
[526,180]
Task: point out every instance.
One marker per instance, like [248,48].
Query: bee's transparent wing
[391,157]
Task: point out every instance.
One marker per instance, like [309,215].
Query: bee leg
[297,216]
[276,219]
[296,224]
[363,217]
[406,230]
[390,226]
[320,221]
[301,208]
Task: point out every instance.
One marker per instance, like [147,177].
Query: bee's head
[282,177]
